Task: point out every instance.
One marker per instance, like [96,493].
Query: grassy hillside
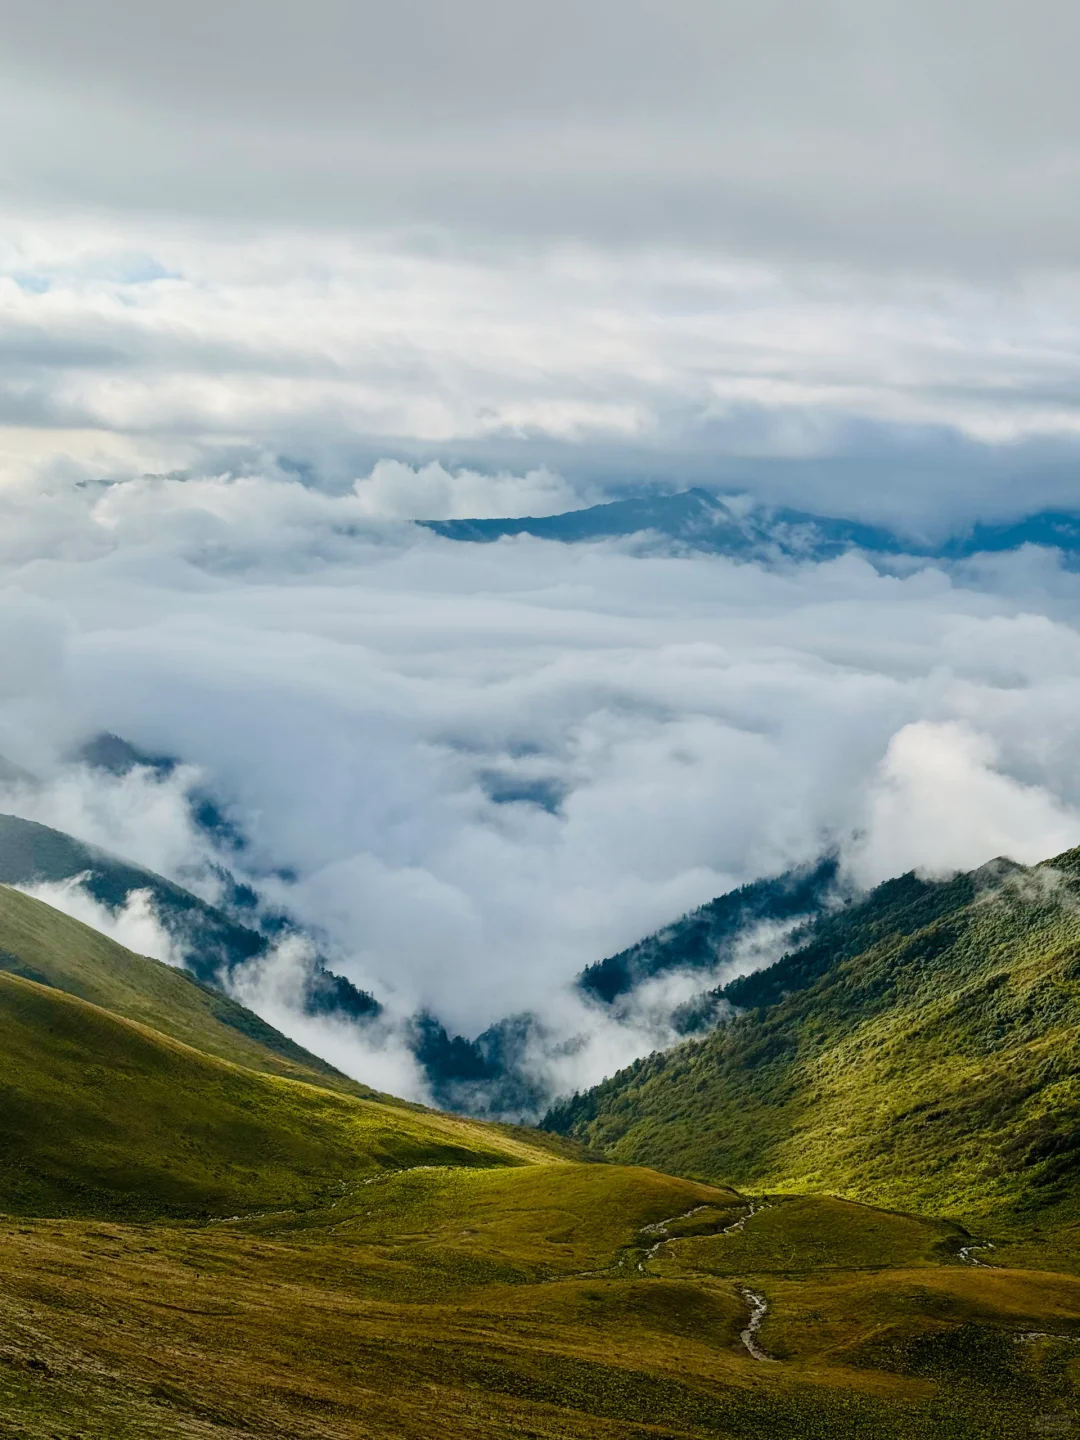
[210,940]
[192,1249]
[536,1301]
[99,1115]
[922,1052]
[40,943]
[30,852]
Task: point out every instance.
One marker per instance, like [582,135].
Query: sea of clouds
[472,770]
[388,263]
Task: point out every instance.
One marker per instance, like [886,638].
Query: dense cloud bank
[473,770]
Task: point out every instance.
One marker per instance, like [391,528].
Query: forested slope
[923,1051]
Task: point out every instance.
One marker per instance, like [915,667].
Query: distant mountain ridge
[708,937]
[736,526]
[212,943]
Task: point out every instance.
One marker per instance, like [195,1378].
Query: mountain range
[734,524]
[493,1074]
[920,1049]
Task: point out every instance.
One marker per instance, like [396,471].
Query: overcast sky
[853,131]
[276,278]
[672,242]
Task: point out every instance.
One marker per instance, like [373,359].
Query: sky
[277,280]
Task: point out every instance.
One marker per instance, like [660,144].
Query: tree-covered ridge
[706,938]
[921,1051]
[212,941]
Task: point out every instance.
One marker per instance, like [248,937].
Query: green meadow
[206,1234]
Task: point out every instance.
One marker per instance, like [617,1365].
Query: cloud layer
[474,770]
[140,347]
[276,280]
[841,129]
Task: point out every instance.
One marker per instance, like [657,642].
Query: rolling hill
[202,1237]
[41,944]
[127,1088]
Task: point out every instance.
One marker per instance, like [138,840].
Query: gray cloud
[135,347]
[918,134]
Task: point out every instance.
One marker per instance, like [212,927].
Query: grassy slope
[924,1055]
[99,1115]
[40,943]
[505,1303]
[30,852]
[402,1274]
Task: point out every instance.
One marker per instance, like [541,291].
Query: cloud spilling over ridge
[933,778]
[579,1042]
[134,925]
[474,770]
[378,1055]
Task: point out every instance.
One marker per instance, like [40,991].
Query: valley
[204,1235]
[539,772]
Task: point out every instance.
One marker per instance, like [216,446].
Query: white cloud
[369,699]
[141,816]
[584,1041]
[134,925]
[940,801]
[377,1055]
[431,492]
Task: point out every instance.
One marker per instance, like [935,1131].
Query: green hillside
[921,1052]
[30,853]
[40,943]
[102,1116]
[193,1248]
[210,940]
